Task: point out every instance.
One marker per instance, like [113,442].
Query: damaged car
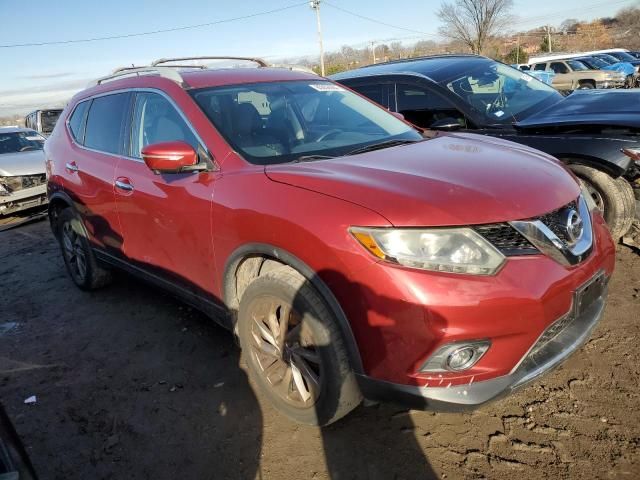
[23,181]
[595,132]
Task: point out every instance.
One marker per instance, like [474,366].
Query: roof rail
[259,61]
[166,72]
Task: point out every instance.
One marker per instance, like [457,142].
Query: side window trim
[131,123]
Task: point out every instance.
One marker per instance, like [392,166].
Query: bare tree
[473,22]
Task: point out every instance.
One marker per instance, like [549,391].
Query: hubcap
[595,195]
[285,351]
[74,252]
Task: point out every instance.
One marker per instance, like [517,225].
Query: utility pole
[373,51]
[518,51]
[315,4]
[548,37]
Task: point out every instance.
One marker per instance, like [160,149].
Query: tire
[78,256]
[303,369]
[629,203]
[608,196]
[586,86]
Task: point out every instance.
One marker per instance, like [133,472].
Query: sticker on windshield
[525,77]
[499,113]
[326,87]
[33,139]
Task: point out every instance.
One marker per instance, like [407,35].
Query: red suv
[350,255]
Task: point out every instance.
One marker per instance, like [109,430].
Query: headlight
[3,190]
[10,185]
[454,250]
[591,204]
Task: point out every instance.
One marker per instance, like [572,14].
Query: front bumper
[23,199]
[559,341]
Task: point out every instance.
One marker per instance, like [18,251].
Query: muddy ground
[132,384]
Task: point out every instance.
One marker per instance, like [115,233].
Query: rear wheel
[294,349]
[77,254]
[586,86]
[610,197]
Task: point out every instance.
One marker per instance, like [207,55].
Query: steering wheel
[324,136]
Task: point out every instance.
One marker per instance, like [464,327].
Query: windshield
[49,119]
[608,58]
[624,56]
[12,142]
[594,62]
[501,94]
[577,66]
[298,120]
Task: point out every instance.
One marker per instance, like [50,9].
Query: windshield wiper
[310,158]
[380,146]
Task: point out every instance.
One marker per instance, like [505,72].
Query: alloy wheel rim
[74,251]
[285,352]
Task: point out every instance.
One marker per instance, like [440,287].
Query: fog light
[460,358]
[456,356]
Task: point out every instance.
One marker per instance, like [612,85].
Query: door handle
[124,185]
[71,166]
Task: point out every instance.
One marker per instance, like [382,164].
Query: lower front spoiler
[575,331]
[23,199]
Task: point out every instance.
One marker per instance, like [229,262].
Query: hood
[619,108]
[22,163]
[454,179]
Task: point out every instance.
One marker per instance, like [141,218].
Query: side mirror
[448,123]
[170,157]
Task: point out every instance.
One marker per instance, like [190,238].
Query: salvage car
[353,257]
[596,133]
[573,75]
[23,181]
[43,121]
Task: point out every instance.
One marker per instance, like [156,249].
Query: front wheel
[609,196]
[294,350]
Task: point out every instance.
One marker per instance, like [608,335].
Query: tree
[516,55]
[594,35]
[544,46]
[473,22]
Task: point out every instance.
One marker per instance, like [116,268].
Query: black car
[597,133]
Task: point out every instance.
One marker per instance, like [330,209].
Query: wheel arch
[58,202]
[271,253]
[601,164]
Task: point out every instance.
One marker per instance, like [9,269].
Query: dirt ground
[132,384]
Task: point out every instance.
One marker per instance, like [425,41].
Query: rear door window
[540,66]
[76,121]
[105,122]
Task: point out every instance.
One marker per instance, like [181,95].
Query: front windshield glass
[13,142]
[298,120]
[624,56]
[501,94]
[595,62]
[608,58]
[577,66]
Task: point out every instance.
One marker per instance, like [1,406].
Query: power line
[378,21]
[153,32]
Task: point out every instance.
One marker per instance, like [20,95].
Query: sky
[47,75]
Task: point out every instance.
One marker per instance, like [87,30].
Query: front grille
[506,239]
[13,184]
[29,181]
[553,220]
